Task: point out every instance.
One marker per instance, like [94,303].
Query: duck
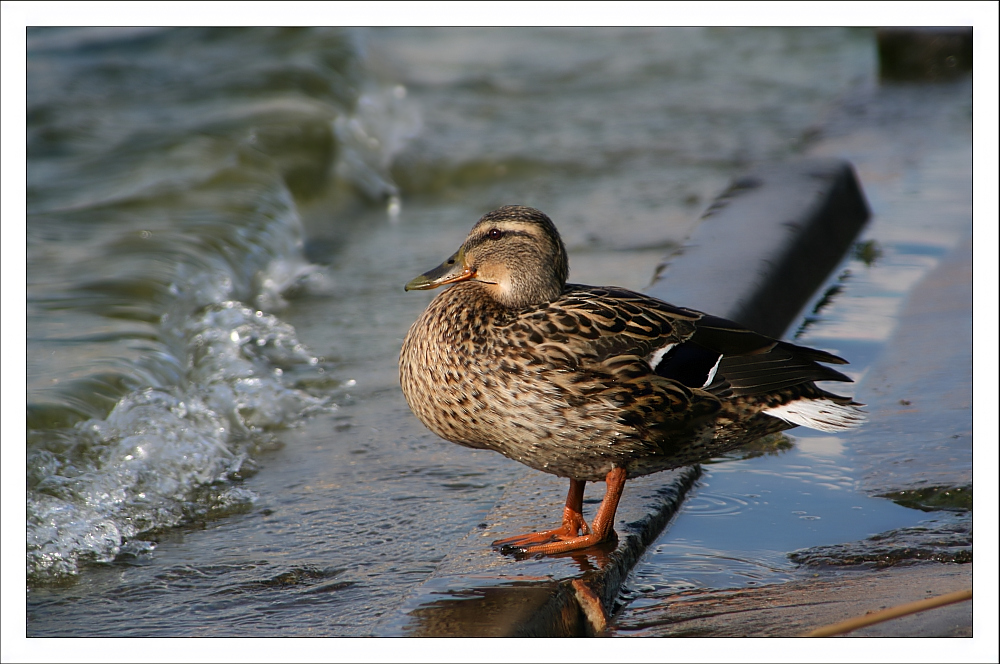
[593,383]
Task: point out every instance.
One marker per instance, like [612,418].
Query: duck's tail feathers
[824,412]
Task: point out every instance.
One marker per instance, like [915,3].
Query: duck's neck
[470,303]
[520,292]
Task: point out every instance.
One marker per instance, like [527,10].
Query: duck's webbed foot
[574,533]
[572,526]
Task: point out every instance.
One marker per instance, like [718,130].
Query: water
[743,518]
[219,226]
[161,234]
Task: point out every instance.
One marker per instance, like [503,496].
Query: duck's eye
[495,233]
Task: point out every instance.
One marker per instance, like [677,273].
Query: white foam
[820,414]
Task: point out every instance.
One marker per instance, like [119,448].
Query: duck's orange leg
[569,537]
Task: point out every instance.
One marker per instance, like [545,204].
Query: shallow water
[220,223]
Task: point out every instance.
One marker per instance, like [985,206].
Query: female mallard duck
[593,383]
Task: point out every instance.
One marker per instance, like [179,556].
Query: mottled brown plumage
[593,383]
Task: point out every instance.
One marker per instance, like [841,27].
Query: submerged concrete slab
[919,392]
[798,607]
[758,255]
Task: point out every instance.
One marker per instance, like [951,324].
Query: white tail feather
[820,414]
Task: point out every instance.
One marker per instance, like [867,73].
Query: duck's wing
[601,347]
[748,363]
[662,368]
[692,348]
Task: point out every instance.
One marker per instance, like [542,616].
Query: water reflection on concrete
[477,606]
[744,516]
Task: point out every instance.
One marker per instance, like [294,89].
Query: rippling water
[219,225]
[162,228]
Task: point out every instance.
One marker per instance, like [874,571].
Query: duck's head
[514,253]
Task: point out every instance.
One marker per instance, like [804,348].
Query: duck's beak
[452,270]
